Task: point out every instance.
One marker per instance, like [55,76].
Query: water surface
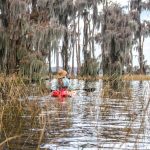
[88,121]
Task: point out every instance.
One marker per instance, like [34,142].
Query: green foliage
[117,40]
[21,52]
[30,30]
[32,67]
[25,43]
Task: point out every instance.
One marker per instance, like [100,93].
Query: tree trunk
[94,23]
[64,52]
[10,46]
[8,49]
[140,50]
[78,49]
[34,7]
[72,71]
[49,58]
[85,32]
[2,54]
[115,64]
[11,61]
[4,25]
[136,5]
[139,34]
[141,59]
[73,44]
[105,59]
[93,43]
[111,60]
[57,60]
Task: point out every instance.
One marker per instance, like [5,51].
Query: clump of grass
[12,87]
[112,94]
[15,86]
[14,105]
[115,87]
[90,78]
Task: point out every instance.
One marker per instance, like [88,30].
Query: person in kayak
[61,81]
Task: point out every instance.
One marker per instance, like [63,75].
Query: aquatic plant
[14,106]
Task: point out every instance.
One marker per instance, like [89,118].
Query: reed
[127,77]
[14,105]
[18,112]
[136,77]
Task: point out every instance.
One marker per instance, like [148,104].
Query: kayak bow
[62,93]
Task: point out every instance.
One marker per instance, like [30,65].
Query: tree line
[33,30]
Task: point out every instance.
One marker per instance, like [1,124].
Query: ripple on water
[90,122]
[107,124]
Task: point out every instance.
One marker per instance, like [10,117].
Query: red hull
[60,93]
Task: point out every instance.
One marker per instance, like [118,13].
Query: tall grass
[19,114]
[14,105]
[136,77]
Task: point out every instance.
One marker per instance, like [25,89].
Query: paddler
[61,82]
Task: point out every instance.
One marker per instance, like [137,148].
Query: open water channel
[87,121]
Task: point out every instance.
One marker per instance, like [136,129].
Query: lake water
[87,121]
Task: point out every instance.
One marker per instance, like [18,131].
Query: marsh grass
[139,77]
[126,77]
[14,106]
[109,92]
[123,88]
[19,113]
[115,88]
[90,78]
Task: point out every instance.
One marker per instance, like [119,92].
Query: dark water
[88,121]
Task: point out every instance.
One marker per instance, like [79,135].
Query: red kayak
[62,93]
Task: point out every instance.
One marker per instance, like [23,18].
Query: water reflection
[89,86]
[104,123]
[89,121]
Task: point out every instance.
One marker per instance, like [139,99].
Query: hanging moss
[21,52]
[32,67]
[90,68]
[25,36]
[117,38]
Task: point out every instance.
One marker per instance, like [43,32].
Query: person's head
[61,74]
